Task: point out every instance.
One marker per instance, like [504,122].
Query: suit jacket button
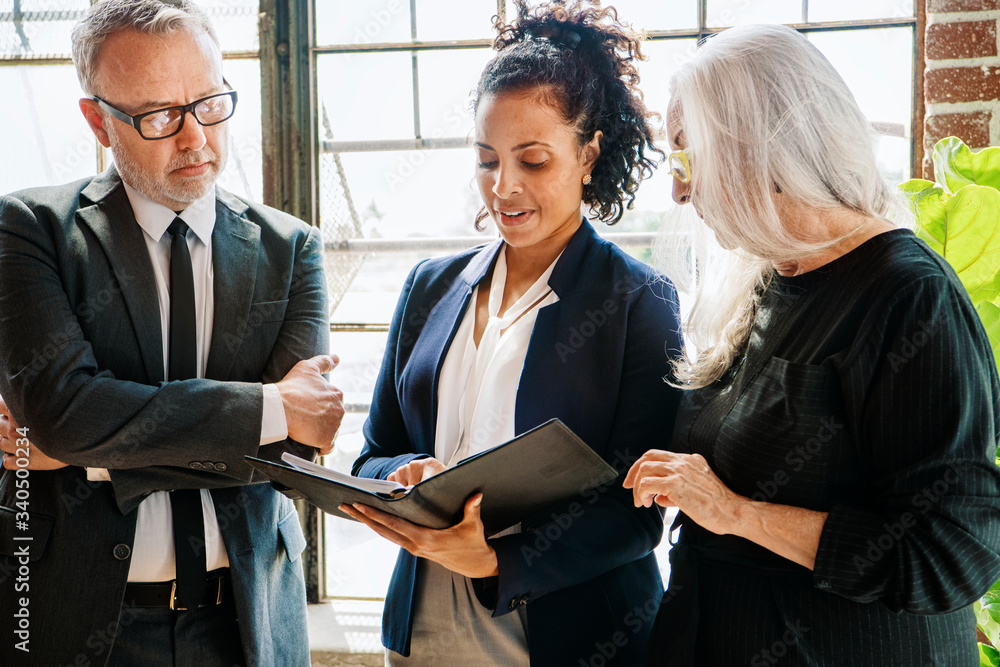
[122,551]
[196,465]
[221,467]
[513,604]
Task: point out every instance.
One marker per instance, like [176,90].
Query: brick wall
[962,80]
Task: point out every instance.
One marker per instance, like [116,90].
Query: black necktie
[189,526]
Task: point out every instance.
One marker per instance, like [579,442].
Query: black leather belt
[161,594]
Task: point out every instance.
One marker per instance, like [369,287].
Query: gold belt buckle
[173,597]
[173,594]
[218,587]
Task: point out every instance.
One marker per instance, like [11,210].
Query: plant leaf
[971,239]
[989,313]
[956,166]
[988,656]
[927,201]
[916,185]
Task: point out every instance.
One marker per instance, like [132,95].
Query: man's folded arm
[85,416]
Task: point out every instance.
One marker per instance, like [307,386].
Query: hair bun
[557,34]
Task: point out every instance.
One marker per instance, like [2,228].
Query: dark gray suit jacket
[81,365]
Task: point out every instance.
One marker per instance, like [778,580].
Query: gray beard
[158,190]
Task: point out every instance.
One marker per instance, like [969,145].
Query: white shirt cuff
[98,475]
[273,426]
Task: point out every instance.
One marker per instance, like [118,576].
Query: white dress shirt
[477,392]
[477,389]
[153,551]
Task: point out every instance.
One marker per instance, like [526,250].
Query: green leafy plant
[988,619]
[958,215]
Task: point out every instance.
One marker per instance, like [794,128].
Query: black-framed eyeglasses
[163,123]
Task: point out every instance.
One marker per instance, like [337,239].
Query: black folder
[520,477]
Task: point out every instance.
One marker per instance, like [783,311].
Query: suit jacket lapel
[112,221]
[435,338]
[570,281]
[235,246]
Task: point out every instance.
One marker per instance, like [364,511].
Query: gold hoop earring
[587,179]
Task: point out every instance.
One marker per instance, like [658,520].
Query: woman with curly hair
[548,321]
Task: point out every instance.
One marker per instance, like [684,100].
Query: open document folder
[538,468]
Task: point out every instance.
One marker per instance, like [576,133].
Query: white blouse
[477,388]
[476,395]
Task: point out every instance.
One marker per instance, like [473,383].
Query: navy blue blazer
[596,360]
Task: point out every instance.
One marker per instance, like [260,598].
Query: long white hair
[763,112]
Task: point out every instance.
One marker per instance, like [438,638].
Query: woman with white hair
[834,467]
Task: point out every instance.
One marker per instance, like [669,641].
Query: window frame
[291,146]
[305,72]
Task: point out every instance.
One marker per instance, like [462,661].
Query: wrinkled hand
[687,482]
[314,408]
[416,471]
[462,548]
[15,446]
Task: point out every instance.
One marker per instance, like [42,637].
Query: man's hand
[314,408]
[15,446]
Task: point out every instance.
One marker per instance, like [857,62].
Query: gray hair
[764,112]
[154,17]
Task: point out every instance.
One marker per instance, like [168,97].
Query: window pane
[447,80]
[53,143]
[358,561]
[352,22]
[439,20]
[664,57]
[372,294]
[884,93]
[235,23]
[854,10]
[645,15]
[37,34]
[724,13]
[359,110]
[244,174]
[405,194]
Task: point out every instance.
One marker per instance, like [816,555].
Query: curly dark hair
[585,58]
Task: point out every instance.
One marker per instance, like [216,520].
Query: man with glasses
[154,329]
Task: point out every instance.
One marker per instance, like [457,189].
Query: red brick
[961,5]
[962,84]
[973,128]
[971,39]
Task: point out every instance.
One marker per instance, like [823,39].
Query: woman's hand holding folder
[461,548]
